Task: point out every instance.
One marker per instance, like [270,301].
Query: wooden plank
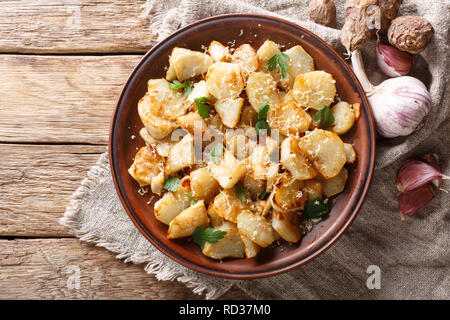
[60,98]
[36,182]
[47,268]
[73,26]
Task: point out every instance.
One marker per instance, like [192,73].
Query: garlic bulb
[393,62]
[399,105]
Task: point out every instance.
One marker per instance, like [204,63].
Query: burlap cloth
[412,254]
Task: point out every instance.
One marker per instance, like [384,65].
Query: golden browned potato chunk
[335,185]
[289,194]
[146,166]
[155,125]
[171,204]
[344,117]
[288,118]
[313,189]
[228,205]
[198,90]
[287,225]
[251,248]
[254,186]
[350,153]
[325,150]
[230,245]
[203,185]
[184,224]
[300,62]
[181,155]
[187,63]
[229,171]
[246,57]
[262,88]
[248,116]
[224,80]
[314,89]
[219,52]
[295,161]
[192,121]
[214,218]
[229,110]
[255,227]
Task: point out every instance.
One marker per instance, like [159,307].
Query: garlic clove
[415,200]
[393,62]
[433,160]
[414,174]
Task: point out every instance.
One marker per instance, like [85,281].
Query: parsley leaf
[216,153]
[316,208]
[241,192]
[177,85]
[202,107]
[262,125]
[324,117]
[188,90]
[201,236]
[282,60]
[171,183]
[262,113]
[263,195]
[191,197]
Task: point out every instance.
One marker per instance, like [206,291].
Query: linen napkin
[409,258]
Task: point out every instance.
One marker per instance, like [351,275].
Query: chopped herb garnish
[171,183]
[202,107]
[177,85]
[282,60]
[324,117]
[316,208]
[262,113]
[191,197]
[216,153]
[262,125]
[201,236]
[188,90]
[263,195]
[241,192]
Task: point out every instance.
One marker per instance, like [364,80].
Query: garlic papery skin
[415,200]
[414,174]
[399,105]
[393,62]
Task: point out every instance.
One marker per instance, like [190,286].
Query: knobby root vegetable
[322,12]
[410,33]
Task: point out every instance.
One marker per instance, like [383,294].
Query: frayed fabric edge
[157,268]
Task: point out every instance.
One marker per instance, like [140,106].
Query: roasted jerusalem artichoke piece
[287,225]
[289,194]
[251,248]
[256,228]
[295,161]
[228,171]
[262,88]
[335,185]
[184,224]
[228,205]
[146,166]
[229,110]
[171,204]
[230,245]
[325,150]
[314,89]
[224,80]
[181,155]
[344,117]
[289,118]
[203,185]
[185,64]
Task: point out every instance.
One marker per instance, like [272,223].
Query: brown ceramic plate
[255,30]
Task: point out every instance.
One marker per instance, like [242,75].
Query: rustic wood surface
[62,66]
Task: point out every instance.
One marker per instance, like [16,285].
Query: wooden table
[62,66]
